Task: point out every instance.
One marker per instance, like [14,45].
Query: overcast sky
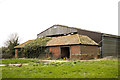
[30,17]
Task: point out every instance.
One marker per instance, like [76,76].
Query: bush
[20,54]
[36,48]
[6,55]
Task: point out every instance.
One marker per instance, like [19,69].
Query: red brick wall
[88,52]
[15,53]
[84,52]
[78,52]
[56,51]
[75,51]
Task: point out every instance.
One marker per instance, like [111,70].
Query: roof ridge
[78,38]
[76,28]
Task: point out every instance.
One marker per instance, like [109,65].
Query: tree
[13,38]
[12,41]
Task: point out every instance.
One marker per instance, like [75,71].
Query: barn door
[65,52]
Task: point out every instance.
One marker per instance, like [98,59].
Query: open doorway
[65,52]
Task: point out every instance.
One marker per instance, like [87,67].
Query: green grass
[18,61]
[80,69]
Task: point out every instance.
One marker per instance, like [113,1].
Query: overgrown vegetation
[75,69]
[36,48]
[8,50]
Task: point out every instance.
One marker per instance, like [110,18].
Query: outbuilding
[74,46]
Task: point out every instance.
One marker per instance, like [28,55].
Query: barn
[69,46]
[74,46]
[108,43]
[72,42]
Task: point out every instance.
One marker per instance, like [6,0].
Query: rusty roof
[23,44]
[70,40]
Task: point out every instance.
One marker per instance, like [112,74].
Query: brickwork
[75,51]
[16,53]
[56,51]
[89,52]
[78,52]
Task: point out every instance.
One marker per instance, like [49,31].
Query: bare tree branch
[12,39]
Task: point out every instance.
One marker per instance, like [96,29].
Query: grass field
[72,69]
[18,61]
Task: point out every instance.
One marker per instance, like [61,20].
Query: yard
[71,69]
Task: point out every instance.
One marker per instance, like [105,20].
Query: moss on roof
[62,40]
[23,44]
[42,41]
[71,39]
[39,41]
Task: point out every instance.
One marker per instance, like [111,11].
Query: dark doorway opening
[65,52]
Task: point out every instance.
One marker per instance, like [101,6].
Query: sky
[30,17]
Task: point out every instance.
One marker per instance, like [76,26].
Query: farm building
[78,43]
[69,46]
[108,43]
[74,46]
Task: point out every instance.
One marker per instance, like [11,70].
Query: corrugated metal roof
[71,39]
[23,44]
[68,27]
[110,35]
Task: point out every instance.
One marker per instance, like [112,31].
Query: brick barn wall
[16,53]
[88,52]
[56,51]
[75,52]
[78,52]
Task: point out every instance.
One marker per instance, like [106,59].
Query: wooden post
[15,53]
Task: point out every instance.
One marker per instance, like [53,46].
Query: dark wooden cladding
[96,36]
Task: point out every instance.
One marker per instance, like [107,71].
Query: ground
[70,69]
